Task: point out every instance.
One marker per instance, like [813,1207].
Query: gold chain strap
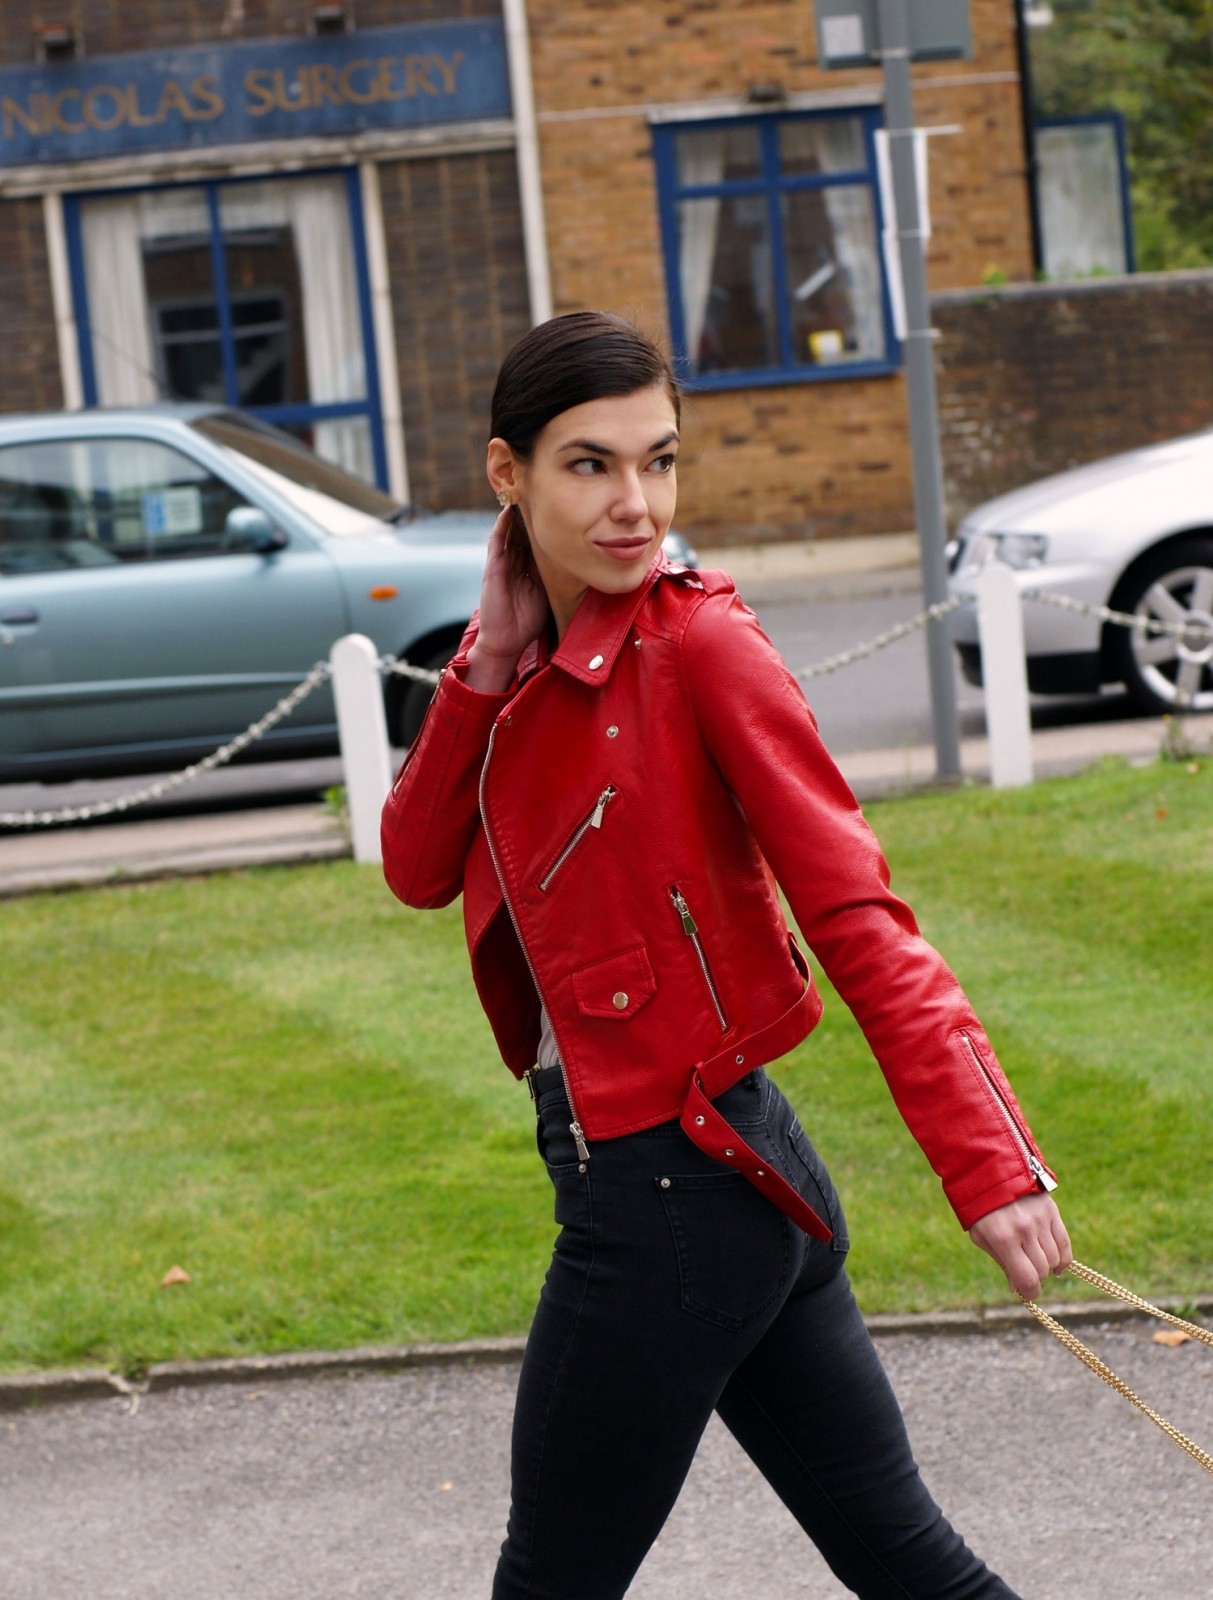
[1102,1370]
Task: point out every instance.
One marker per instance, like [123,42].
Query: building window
[772,226]
[249,292]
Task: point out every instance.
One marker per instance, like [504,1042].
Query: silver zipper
[594,820]
[575,1128]
[1033,1163]
[692,933]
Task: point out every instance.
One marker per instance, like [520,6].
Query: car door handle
[18,617]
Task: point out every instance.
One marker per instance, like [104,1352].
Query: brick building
[341,215]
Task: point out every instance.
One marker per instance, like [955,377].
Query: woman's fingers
[1028,1240]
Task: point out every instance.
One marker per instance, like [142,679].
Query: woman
[615,771]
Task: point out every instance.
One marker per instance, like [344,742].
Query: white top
[548,1054]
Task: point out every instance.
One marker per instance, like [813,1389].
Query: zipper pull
[583,1149]
[1042,1177]
[607,794]
[684,911]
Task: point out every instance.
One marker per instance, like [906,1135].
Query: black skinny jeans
[675,1289]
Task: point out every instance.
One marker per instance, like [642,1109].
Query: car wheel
[415,700]
[1162,672]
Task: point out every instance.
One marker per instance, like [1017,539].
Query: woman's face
[597,494]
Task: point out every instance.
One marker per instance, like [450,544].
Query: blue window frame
[771,228]
[222,314]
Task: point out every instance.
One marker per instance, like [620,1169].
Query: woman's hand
[1028,1240]
[513,606]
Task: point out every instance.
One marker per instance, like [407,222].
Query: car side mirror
[249,528]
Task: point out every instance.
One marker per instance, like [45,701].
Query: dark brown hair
[586,355]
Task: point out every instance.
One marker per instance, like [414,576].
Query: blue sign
[375,78]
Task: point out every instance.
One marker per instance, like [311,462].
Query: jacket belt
[711,1133]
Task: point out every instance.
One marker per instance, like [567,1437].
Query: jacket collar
[601,625]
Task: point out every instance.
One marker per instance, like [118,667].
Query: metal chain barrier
[322,671]
[1101,1369]
[1196,634]
[319,674]
[861,651]
[405,669]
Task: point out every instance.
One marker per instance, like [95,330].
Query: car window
[92,502]
[340,503]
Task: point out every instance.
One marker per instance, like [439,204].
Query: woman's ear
[502,468]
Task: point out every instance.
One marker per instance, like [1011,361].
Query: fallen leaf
[1162,814]
[1172,1336]
[173,1276]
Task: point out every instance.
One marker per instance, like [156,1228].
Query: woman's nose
[630,503]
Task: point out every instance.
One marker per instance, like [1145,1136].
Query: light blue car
[167,574]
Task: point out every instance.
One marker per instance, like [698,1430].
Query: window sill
[770,377]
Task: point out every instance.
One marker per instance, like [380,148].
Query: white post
[1004,674]
[362,726]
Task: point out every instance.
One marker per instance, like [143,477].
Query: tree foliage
[1152,60]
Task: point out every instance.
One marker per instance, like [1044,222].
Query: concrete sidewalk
[394,1486]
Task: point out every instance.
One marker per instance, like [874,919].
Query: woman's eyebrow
[605,450]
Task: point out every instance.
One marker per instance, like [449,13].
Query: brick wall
[459,295]
[1037,378]
[799,460]
[29,378]
[113,26]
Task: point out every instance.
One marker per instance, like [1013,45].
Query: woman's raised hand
[513,606]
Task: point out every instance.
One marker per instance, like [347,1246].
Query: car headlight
[1018,550]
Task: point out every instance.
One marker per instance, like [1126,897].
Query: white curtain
[117,302]
[853,225]
[336,352]
[115,232]
[700,160]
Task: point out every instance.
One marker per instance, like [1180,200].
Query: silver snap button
[699,1122]
[740,1060]
[760,1173]
[665,1183]
[612,732]
[595,663]
[729,1152]
[620,1001]
[581,1166]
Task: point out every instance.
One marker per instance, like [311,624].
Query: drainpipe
[526,142]
[1027,114]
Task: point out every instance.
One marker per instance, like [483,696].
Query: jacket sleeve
[922,1030]
[432,813]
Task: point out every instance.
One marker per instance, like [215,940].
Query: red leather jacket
[617,823]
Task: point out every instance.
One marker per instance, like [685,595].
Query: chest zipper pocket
[692,932]
[1033,1164]
[594,820]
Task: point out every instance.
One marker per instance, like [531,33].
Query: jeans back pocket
[733,1246]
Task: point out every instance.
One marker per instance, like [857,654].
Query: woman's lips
[624,549]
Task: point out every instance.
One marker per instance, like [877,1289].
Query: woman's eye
[663,463]
[586,466]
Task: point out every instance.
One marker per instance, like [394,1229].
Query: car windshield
[341,504]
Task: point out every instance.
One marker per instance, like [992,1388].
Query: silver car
[1133,532]
[167,574]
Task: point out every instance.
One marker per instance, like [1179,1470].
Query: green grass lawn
[280,1080]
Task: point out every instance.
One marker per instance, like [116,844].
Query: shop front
[341,216]
[228,222]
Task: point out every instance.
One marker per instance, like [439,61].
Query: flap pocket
[617,987]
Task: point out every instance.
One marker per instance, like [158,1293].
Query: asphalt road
[395,1487]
